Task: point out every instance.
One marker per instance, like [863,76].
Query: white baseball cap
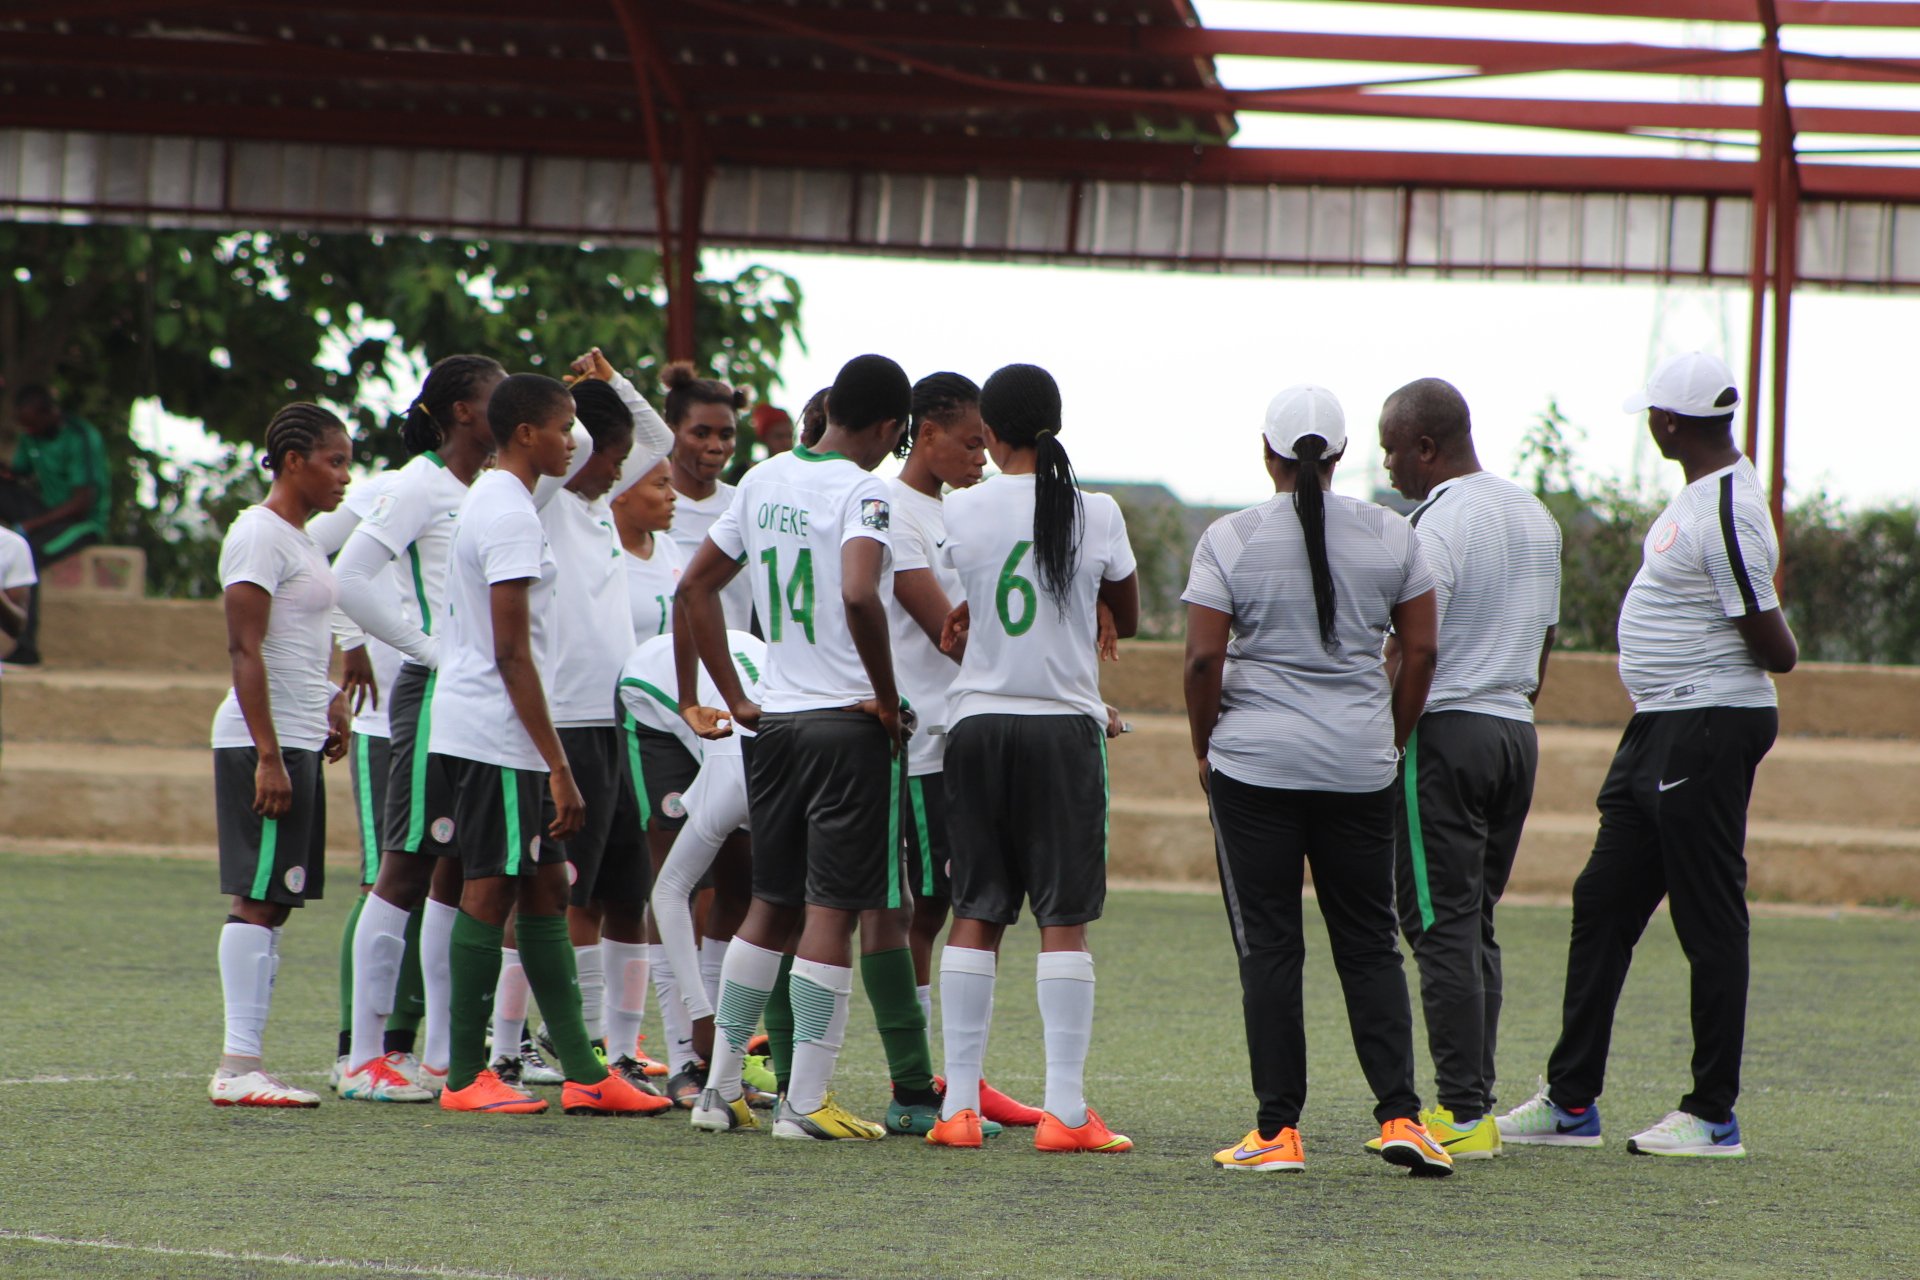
[1305,411]
[1687,384]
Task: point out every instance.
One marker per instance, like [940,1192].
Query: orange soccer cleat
[962,1130]
[1054,1135]
[489,1092]
[613,1096]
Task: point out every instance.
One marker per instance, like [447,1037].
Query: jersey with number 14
[788,522]
[1026,656]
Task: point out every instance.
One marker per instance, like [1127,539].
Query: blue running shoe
[1685,1134]
[1537,1122]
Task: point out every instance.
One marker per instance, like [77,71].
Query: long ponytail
[450,381]
[1022,404]
[1310,504]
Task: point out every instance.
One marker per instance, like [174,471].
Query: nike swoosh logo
[1668,786]
[1241,1153]
[1571,1128]
[1721,1137]
[590,1093]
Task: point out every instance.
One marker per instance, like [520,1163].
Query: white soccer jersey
[649,691]
[413,519]
[923,672]
[1023,657]
[1494,553]
[692,519]
[499,539]
[592,622]
[263,549]
[16,563]
[651,584]
[331,531]
[1709,558]
[789,520]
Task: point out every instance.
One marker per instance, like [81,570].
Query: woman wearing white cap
[1700,630]
[1296,731]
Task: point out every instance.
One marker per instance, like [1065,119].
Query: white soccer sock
[966,1011]
[379,941]
[746,981]
[822,994]
[509,1005]
[246,980]
[436,976]
[713,954]
[593,987]
[676,1028]
[625,965]
[925,995]
[1064,981]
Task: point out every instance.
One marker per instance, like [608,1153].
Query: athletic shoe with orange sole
[960,1130]
[1054,1135]
[998,1107]
[613,1096]
[759,1044]
[652,1066]
[1408,1144]
[1281,1153]
[489,1092]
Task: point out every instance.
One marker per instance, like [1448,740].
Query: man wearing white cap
[1699,632]
[1296,731]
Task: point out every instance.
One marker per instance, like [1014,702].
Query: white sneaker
[338,1069]
[256,1089]
[535,1069]
[381,1081]
[1540,1122]
[434,1082]
[1685,1134]
[408,1065]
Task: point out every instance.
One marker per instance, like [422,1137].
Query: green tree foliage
[225,327]
[1163,549]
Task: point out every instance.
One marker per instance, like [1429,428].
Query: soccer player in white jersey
[811,528]
[271,731]
[1026,755]
[704,415]
[1466,780]
[947,449]
[513,798]
[1296,727]
[1700,632]
[410,527]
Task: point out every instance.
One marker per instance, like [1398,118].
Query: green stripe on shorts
[263,869]
[1106,812]
[417,802]
[369,837]
[510,797]
[628,731]
[895,771]
[1415,840]
[917,796]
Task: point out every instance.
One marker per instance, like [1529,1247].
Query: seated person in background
[54,491]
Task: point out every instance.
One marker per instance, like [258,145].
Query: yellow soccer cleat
[1477,1141]
[831,1123]
[1280,1154]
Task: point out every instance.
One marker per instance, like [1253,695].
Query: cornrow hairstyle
[1022,404]
[938,397]
[813,418]
[602,412]
[298,428]
[451,380]
[1310,504]
[686,388]
[867,391]
[524,397]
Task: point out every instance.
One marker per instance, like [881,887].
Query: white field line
[359,1266]
[130,1078]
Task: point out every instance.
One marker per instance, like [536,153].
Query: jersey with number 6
[1025,655]
[788,522]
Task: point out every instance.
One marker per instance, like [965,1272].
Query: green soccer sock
[895,996]
[474,951]
[779,1022]
[346,976]
[546,953]
[410,996]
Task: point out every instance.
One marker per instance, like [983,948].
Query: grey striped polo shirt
[1709,558]
[1494,552]
[1295,714]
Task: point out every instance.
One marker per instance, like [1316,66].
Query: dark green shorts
[270,859]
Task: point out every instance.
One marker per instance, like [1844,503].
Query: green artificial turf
[110,980]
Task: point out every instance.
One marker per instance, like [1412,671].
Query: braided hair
[1022,404]
[298,428]
[602,412]
[938,397]
[1310,504]
[451,380]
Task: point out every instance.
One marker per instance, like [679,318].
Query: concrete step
[1172,840]
[1837,782]
[132,795]
[82,631]
[130,708]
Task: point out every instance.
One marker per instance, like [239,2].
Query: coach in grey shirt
[1467,778]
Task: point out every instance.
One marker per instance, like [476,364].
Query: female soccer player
[1026,775]
[1296,732]
[270,732]
[514,800]
[654,562]
[703,413]
[412,523]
